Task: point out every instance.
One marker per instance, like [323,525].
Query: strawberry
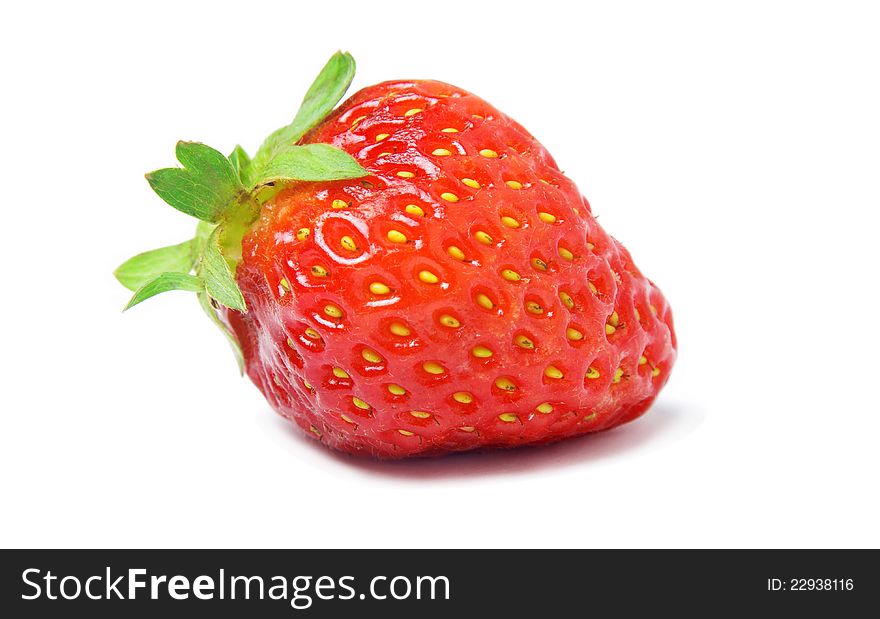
[413,275]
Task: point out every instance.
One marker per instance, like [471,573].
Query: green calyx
[225,194]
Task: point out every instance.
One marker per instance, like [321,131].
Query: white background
[733,147]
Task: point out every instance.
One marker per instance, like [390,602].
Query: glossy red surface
[447,170]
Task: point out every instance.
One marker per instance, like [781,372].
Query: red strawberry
[457,293]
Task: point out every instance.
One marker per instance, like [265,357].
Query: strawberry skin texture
[460,297]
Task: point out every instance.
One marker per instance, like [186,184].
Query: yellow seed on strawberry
[505,384]
[428,277]
[348,243]
[396,236]
[432,367]
[399,329]
[449,321]
[394,389]
[510,275]
[455,252]
[481,352]
[312,334]
[551,371]
[573,334]
[371,355]
[523,342]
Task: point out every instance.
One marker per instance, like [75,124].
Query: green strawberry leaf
[241,162]
[226,196]
[323,95]
[203,233]
[205,302]
[164,283]
[219,277]
[145,267]
[205,186]
[311,162]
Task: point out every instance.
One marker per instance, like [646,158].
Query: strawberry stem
[226,194]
